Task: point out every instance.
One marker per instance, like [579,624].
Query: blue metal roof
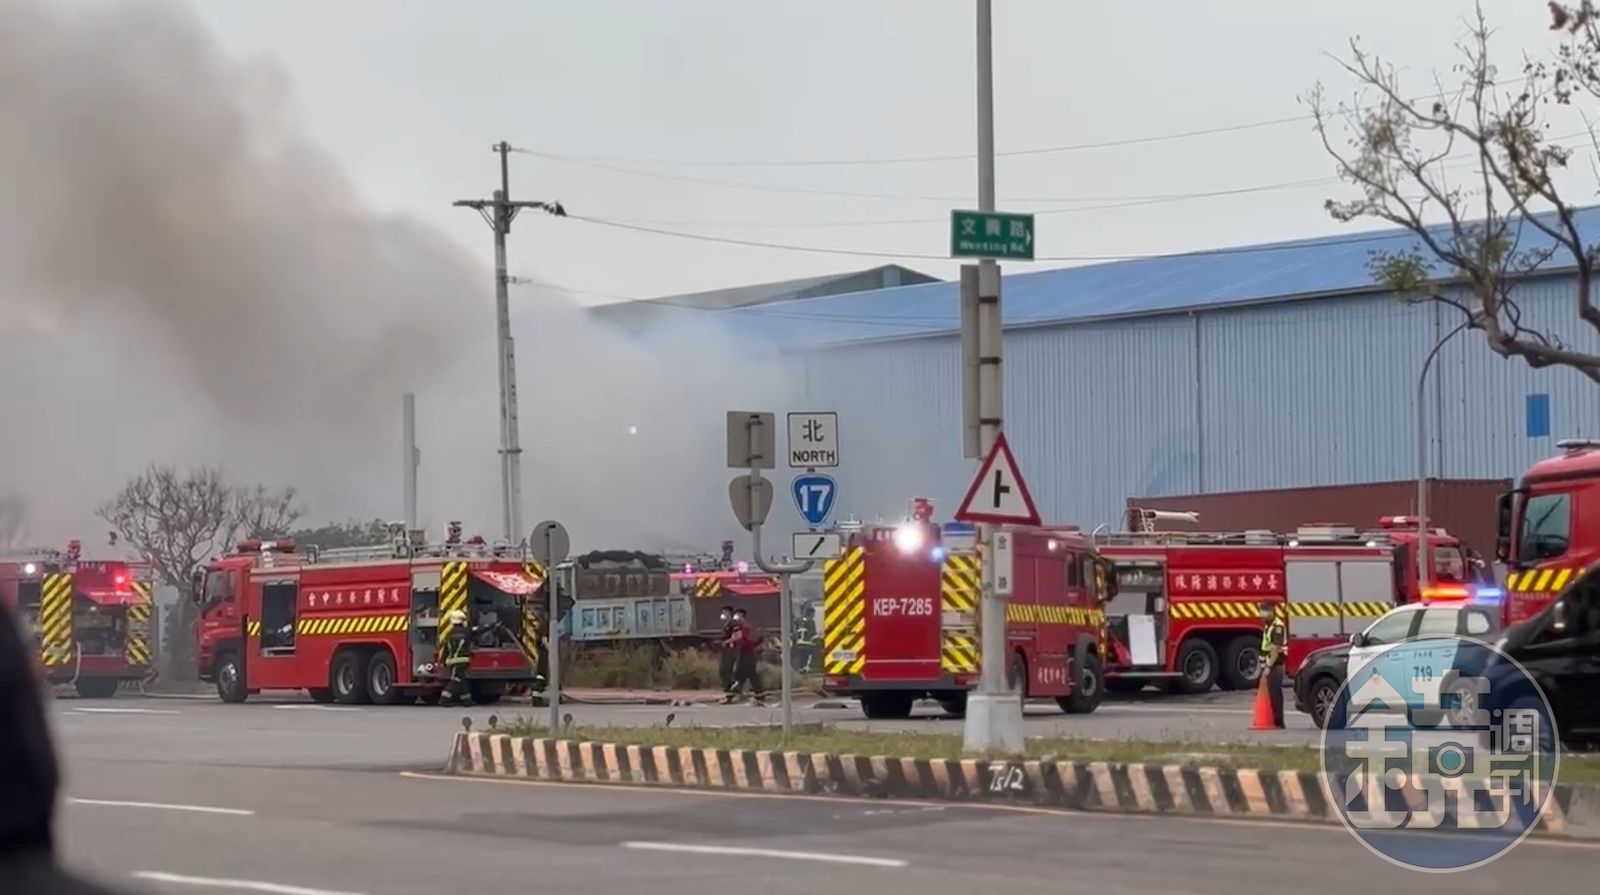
[1282,271]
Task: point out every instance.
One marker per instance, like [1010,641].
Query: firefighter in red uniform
[746,642]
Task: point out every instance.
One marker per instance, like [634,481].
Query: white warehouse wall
[1292,394]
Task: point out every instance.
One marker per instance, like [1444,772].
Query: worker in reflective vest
[1274,637]
[456,654]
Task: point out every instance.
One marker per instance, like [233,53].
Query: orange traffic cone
[1262,719]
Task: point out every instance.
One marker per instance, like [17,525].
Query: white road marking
[825,857]
[1044,813]
[162,806]
[94,711]
[316,708]
[239,885]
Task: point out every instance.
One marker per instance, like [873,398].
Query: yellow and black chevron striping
[844,614]
[1535,581]
[533,569]
[1037,614]
[55,619]
[253,628]
[707,586]
[357,624]
[959,584]
[1249,609]
[452,594]
[959,654]
[137,650]
[529,638]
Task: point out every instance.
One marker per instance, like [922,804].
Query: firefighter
[805,642]
[455,652]
[728,656]
[747,643]
[1274,638]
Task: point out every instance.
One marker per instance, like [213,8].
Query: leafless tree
[1470,169]
[176,521]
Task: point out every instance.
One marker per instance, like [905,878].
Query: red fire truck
[756,593]
[90,619]
[1186,611]
[362,624]
[1546,528]
[900,618]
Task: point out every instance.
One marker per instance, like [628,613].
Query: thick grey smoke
[185,277]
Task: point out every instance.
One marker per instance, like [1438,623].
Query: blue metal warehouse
[1278,365]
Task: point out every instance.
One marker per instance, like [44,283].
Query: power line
[578,158]
[865,253]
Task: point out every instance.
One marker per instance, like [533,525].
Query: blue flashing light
[1488,595]
[937,554]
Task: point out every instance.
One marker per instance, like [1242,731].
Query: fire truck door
[424,627]
[1137,614]
[903,619]
[274,666]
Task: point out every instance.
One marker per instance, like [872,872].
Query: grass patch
[648,667]
[1575,768]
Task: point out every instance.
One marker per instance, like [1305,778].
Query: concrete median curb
[1083,786]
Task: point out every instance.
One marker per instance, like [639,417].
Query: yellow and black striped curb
[1573,811]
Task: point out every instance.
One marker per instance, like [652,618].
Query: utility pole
[498,213]
[410,459]
[994,715]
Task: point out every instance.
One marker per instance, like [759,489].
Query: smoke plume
[185,277]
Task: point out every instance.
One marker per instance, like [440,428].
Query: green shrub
[690,669]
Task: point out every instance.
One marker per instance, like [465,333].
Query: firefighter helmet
[456,617]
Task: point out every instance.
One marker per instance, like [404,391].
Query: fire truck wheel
[1087,690]
[380,679]
[348,678]
[887,705]
[96,688]
[1197,666]
[230,679]
[1241,663]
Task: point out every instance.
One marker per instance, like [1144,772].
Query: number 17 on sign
[813,496]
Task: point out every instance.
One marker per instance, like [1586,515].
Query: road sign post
[549,543]
[991,234]
[751,442]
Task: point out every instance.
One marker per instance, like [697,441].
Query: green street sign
[991,234]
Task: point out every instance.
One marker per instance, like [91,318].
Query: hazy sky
[228,238]
[410,94]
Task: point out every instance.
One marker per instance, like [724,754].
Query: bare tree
[177,521]
[1471,170]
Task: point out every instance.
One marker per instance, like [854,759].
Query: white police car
[1317,683]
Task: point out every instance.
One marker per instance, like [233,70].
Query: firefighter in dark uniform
[805,642]
[1274,637]
[455,652]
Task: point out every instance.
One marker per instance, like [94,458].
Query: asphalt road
[288,729]
[307,802]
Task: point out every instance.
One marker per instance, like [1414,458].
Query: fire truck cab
[363,624]
[900,618]
[89,620]
[1545,527]
[1187,610]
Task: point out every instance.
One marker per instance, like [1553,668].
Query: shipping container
[1464,507]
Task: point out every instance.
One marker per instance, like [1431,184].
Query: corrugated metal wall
[1289,395]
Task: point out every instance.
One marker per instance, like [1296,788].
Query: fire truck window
[1448,564]
[219,588]
[1546,521]
[1074,572]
